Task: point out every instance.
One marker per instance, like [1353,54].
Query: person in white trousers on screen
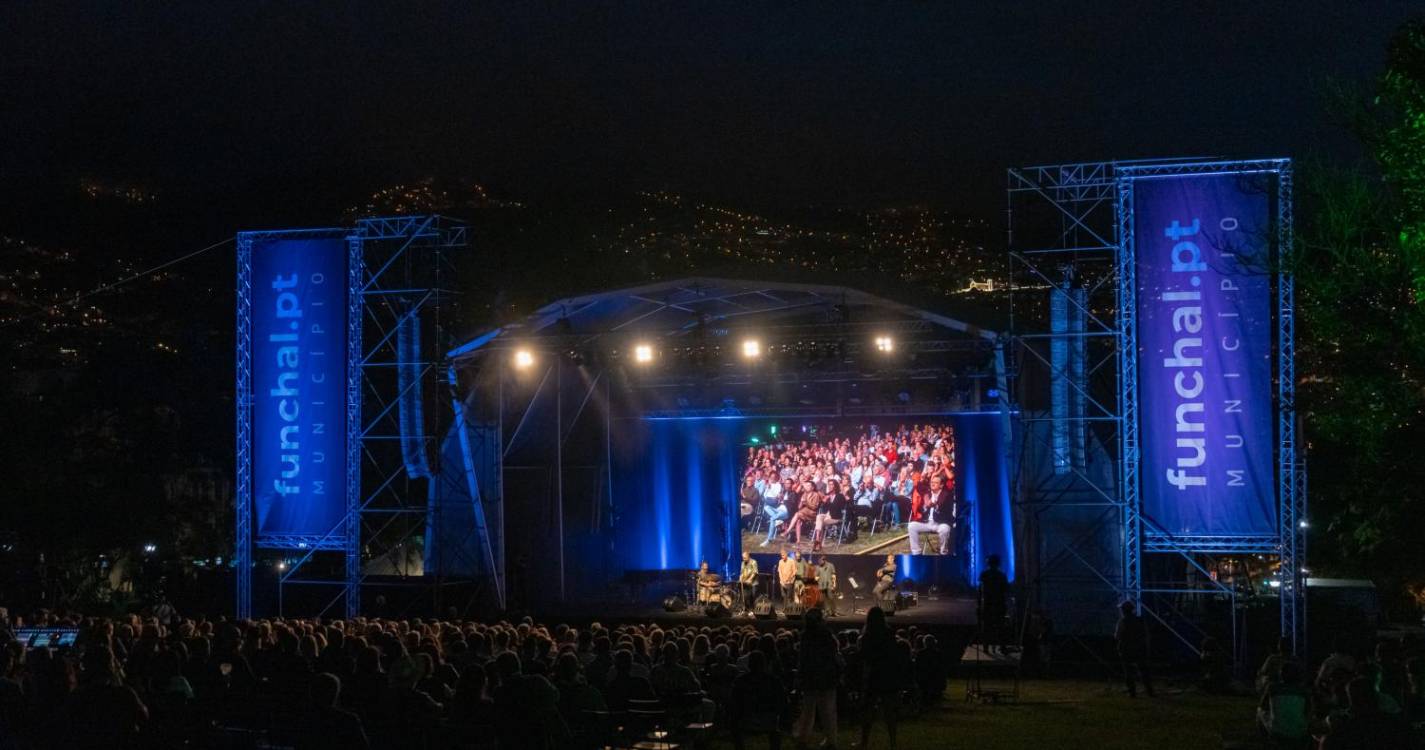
[936,513]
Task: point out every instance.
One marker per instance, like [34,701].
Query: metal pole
[559,464]
[500,476]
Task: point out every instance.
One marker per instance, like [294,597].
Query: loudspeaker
[889,605]
[793,611]
[674,604]
[762,608]
[716,610]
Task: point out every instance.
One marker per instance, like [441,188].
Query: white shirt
[932,503]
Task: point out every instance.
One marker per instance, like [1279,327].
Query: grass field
[1064,715]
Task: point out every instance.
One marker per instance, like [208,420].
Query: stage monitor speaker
[674,604]
[715,610]
[889,605]
[793,611]
[762,608]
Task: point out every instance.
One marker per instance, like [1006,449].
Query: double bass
[811,595]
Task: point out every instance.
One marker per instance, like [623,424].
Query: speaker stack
[762,608]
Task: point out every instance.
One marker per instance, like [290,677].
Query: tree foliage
[1360,274]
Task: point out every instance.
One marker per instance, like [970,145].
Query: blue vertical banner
[299,343]
[1204,303]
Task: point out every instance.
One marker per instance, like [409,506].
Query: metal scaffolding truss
[398,267]
[1070,240]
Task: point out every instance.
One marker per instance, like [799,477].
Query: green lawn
[1065,714]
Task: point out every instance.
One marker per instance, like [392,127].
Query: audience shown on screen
[811,488]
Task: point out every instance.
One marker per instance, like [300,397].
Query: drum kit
[715,590]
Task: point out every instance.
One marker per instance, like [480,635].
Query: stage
[929,612]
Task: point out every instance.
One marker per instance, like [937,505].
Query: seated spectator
[1285,708]
[1365,726]
[527,708]
[670,678]
[1415,698]
[471,705]
[407,714]
[1338,669]
[625,685]
[1269,673]
[103,712]
[576,696]
[12,693]
[597,669]
[931,671]
[326,726]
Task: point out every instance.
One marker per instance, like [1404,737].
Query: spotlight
[751,348]
[643,353]
[524,359]
[885,344]
[281,564]
[150,548]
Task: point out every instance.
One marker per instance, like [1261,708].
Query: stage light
[524,359]
[885,344]
[150,548]
[281,564]
[643,353]
[751,348]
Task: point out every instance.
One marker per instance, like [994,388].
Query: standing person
[758,702]
[1131,636]
[993,604]
[882,674]
[818,673]
[826,579]
[933,511]
[787,576]
[748,580]
[885,579]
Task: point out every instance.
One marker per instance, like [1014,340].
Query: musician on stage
[787,576]
[748,580]
[885,579]
[707,583]
[826,579]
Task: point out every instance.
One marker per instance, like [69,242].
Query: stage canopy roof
[678,307]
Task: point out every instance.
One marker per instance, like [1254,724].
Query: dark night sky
[247,113]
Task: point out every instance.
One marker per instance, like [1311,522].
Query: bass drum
[727,598]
